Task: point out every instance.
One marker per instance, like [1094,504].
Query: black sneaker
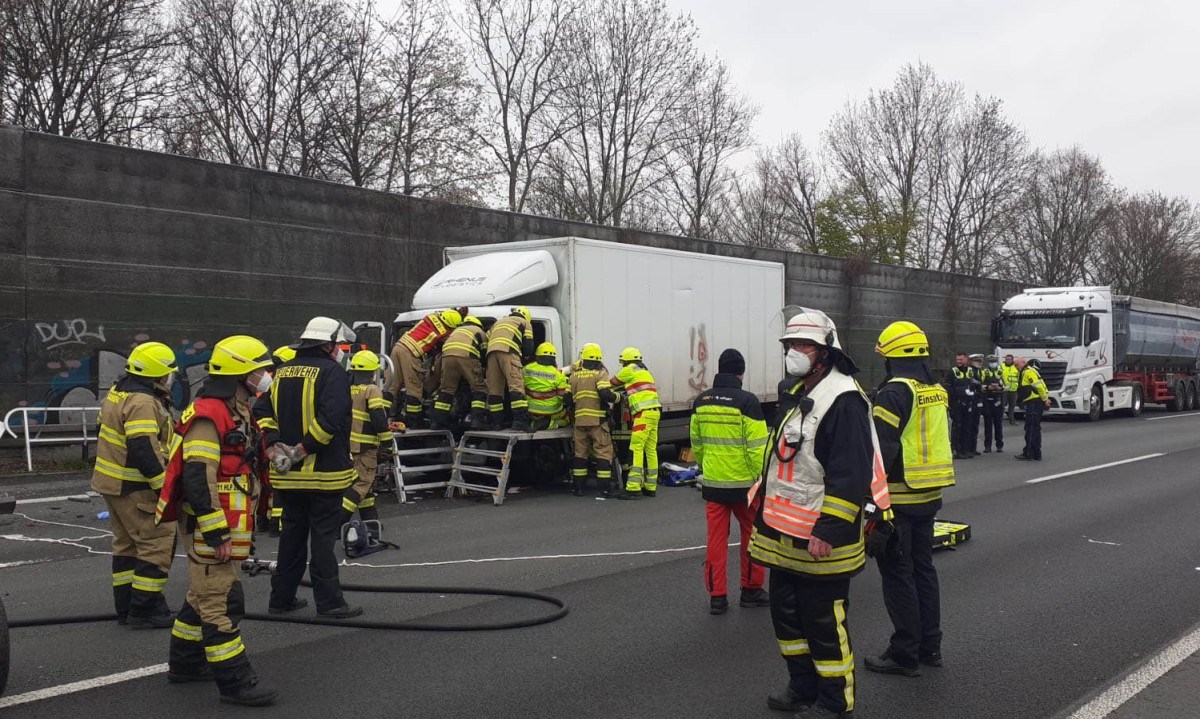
[718,605]
[1022,457]
[755,598]
[987,450]
[297,604]
[629,495]
[249,696]
[884,664]
[204,675]
[932,660]
[157,621]
[788,700]
[650,493]
[818,710]
[343,612]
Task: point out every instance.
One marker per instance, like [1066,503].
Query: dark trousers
[993,424]
[1033,428]
[810,625]
[961,425]
[910,586]
[971,441]
[309,518]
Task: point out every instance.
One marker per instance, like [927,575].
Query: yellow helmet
[452,318]
[902,339]
[237,356]
[546,349]
[473,320]
[364,361]
[283,355]
[151,359]
[523,311]
[631,354]
[591,353]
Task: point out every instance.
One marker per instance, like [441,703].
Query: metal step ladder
[417,452]
[474,457]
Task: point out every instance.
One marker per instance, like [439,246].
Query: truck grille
[1053,373]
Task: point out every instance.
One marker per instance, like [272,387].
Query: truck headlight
[1070,389]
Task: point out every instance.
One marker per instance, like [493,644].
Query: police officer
[992,378]
[961,382]
[131,455]
[976,405]
[809,525]
[1034,400]
[213,484]
[545,387]
[310,419]
[637,385]
[588,396]
[462,360]
[368,432]
[509,340]
[911,422]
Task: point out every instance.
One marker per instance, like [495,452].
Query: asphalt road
[1066,585]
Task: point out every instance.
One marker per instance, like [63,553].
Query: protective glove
[880,537]
[280,457]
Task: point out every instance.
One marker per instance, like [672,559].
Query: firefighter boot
[249,695]
[579,483]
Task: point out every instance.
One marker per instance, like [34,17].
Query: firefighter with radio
[588,396]
[462,360]
[131,453]
[212,484]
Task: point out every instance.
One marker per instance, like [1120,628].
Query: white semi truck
[1101,352]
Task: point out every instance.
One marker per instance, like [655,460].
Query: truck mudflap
[948,535]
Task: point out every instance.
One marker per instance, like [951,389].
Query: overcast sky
[1121,79]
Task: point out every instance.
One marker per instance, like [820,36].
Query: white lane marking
[1172,416]
[485,560]
[63,498]
[62,689]
[1097,541]
[24,562]
[1124,690]
[1093,469]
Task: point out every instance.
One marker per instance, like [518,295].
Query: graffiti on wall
[67,332]
[698,353]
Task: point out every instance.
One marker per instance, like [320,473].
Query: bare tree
[517,50]
[775,203]
[1059,221]
[633,65]
[1150,246]
[714,125]
[882,149]
[751,213]
[82,68]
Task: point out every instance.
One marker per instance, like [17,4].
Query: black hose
[364,624]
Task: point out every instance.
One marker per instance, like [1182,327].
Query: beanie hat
[731,362]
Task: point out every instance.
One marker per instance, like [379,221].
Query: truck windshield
[1040,331]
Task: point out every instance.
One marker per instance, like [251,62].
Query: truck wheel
[1135,406]
[1191,396]
[3,648]
[1096,407]
[1178,398]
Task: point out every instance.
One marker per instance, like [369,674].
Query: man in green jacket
[729,441]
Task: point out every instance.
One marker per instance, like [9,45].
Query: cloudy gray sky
[1120,78]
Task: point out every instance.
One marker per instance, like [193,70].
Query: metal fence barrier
[33,435]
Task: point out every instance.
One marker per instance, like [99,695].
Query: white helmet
[326,329]
[812,325]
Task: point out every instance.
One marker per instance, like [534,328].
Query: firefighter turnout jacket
[912,422]
[729,439]
[134,438]
[426,335]
[468,341]
[590,392]
[368,418]
[311,405]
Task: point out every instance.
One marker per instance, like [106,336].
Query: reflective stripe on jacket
[368,418]
[509,334]
[1032,386]
[131,412]
[638,384]
[466,341]
[585,386]
[426,335]
[729,435]
[545,387]
[1010,374]
[925,443]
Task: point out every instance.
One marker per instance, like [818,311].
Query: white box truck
[679,308]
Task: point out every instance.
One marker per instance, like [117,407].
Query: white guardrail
[33,435]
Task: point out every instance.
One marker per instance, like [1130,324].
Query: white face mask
[263,384]
[338,354]
[797,363]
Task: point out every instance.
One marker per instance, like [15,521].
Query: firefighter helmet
[237,356]
[473,320]
[902,339]
[522,311]
[151,359]
[546,349]
[283,355]
[452,318]
[631,354]
[591,353]
[364,361]
[320,330]
[812,325]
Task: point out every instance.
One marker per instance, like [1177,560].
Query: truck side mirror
[1092,331]
[995,330]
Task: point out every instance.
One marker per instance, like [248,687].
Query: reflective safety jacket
[511,334]
[1032,386]
[823,465]
[963,384]
[134,438]
[638,384]
[590,392]
[1010,374]
[993,384]
[913,425]
[368,418]
[467,341]
[545,386]
[729,439]
[215,476]
[310,405]
[426,335]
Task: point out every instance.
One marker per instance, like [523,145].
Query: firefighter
[546,386]
[462,359]
[213,484]
[588,394]
[729,440]
[637,385]
[368,432]
[410,353]
[911,421]
[960,383]
[808,525]
[131,454]
[269,501]
[992,379]
[1011,375]
[1034,399]
[310,418]
[510,339]
[621,429]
